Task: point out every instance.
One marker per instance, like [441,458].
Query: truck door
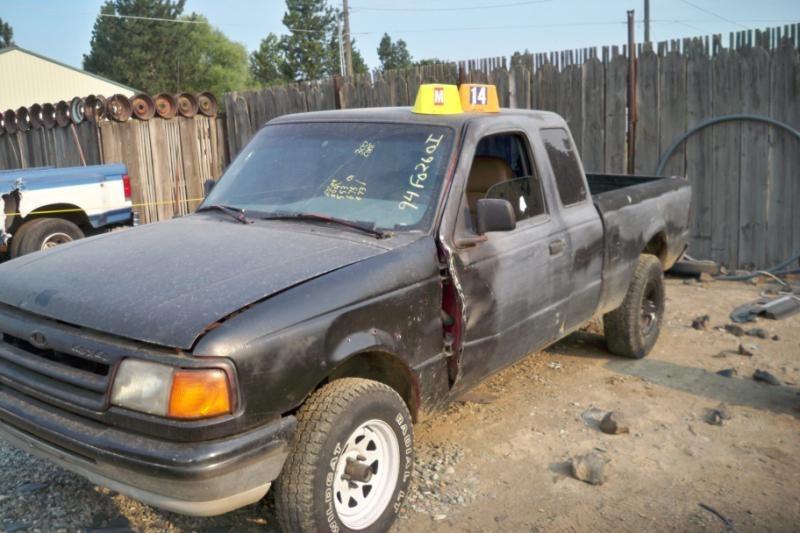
[507,281]
[584,229]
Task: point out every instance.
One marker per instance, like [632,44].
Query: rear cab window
[566,169]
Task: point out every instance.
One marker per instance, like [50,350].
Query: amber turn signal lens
[199,394]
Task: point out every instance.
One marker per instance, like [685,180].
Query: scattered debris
[716,416]
[701,322]
[29,488]
[728,523]
[776,338]
[727,372]
[589,468]
[555,365]
[766,377]
[614,423]
[705,277]
[735,330]
[761,333]
[773,308]
[439,517]
[745,351]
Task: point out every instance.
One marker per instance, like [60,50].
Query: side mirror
[207,186]
[495,214]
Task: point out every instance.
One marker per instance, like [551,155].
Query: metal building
[27,78]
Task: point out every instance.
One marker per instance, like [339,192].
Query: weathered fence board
[726,76]
[672,109]
[616,89]
[593,106]
[783,211]
[647,108]
[699,148]
[753,164]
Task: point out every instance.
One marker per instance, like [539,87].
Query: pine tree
[156,56]
[393,54]
[306,49]
[6,34]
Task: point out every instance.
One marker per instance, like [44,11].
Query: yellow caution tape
[79,210]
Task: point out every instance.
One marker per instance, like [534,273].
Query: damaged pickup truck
[350,271]
[47,206]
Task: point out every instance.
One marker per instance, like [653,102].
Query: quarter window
[567,171]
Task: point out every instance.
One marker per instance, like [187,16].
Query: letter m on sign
[438,96]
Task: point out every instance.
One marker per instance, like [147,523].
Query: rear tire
[19,236]
[45,233]
[350,425]
[632,329]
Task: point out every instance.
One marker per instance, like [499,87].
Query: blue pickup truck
[47,206]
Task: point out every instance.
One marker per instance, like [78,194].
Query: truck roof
[404,114]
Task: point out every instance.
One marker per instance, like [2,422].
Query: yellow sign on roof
[437,99]
[479,97]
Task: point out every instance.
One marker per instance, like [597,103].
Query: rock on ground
[614,423]
[589,468]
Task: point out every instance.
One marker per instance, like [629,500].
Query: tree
[393,54]
[267,64]
[429,61]
[164,56]
[212,62]
[6,34]
[306,49]
[333,67]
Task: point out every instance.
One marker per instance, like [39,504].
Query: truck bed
[636,211]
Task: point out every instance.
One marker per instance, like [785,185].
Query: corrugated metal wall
[26,79]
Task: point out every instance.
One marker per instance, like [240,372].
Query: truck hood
[167,283]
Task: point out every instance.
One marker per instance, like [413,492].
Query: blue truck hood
[166,283]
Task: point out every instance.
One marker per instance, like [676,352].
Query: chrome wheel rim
[54,239]
[366,474]
[649,309]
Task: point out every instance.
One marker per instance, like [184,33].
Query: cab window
[502,169]
[567,171]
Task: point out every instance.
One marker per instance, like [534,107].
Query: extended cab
[47,206]
[349,272]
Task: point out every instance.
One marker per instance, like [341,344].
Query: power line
[704,10]
[463,8]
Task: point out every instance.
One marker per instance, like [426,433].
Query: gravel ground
[498,458]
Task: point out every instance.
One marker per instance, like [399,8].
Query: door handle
[556,247]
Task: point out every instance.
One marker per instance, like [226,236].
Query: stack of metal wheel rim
[96,108]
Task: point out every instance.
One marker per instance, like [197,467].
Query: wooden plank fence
[168,160]
[746,175]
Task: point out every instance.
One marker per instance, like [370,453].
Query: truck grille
[69,366]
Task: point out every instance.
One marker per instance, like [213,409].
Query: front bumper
[195,478]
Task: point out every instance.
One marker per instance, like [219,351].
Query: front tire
[632,329]
[351,460]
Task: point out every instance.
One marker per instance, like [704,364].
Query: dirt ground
[500,459]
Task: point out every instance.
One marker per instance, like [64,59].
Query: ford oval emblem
[38,339]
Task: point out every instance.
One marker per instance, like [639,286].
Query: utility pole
[631,92]
[341,47]
[646,21]
[348,45]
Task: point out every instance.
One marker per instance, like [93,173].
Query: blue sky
[61,29]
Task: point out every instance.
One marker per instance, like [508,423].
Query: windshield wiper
[234,212]
[364,228]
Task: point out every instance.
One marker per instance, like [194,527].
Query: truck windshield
[383,175]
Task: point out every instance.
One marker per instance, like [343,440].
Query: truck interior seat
[486,171]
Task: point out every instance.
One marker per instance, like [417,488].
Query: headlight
[162,390]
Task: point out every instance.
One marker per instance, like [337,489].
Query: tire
[632,329]
[19,236]
[45,233]
[312,495]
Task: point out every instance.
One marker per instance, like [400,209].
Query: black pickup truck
[351,271]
